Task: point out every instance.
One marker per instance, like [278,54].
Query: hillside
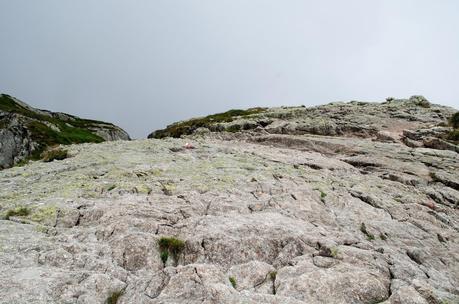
[25,132]
[342,203]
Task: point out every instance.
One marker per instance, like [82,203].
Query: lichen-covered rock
[355,118]
[249,217]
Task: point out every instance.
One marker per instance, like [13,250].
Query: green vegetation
[114,297]
[273,276]
[167,188]
[22,163]
[454,123]
[233,282]
[323,195]
[364,230]
[54,154]
[164,256]
[423,103]
[170,246]
[45,215]
[453,135]
[47,137]
[111,187]
[73,130]
[189,126]
[454,120]
[420,101]
[382,236]
[19,211]
[233,128]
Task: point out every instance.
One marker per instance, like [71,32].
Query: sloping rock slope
[25,132]
[247,217]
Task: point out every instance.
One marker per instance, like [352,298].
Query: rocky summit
[343,203]
[26,132]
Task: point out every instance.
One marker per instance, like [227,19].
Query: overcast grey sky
[143,64]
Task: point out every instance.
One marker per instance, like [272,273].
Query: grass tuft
[364,230]
[164,256]
[114,297]
[170,246]
[233,282]
[19,211]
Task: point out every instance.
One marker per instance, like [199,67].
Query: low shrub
[54,154]
[19,211]
[453,135]
[454,120]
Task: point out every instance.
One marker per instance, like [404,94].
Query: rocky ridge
[321,205]
[415,121]
[25,132]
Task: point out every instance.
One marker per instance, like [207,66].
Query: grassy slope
[71,132]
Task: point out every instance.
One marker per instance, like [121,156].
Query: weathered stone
[250,217]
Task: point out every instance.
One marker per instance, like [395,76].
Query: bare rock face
[252,216]
[25,131]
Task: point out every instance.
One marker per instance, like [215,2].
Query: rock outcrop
[272,214]
[386,120]
[25,131]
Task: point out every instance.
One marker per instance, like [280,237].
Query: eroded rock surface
[265,218]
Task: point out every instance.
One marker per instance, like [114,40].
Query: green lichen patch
[45,215]
[334,252]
